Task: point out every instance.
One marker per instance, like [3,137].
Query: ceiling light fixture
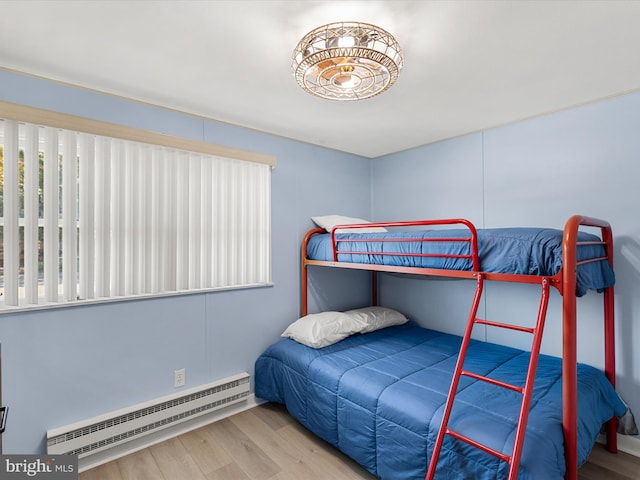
[347,61]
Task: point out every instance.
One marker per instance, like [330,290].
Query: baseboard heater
[106,431]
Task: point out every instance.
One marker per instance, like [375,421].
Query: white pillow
[318,330]
[329,221]
[375,318]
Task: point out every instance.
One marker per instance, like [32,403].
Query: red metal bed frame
[564,282]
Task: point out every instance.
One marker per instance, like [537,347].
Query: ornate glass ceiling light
[347,61]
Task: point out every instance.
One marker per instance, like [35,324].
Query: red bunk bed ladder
[527,390]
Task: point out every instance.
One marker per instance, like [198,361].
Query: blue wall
[66,364]
[532,173]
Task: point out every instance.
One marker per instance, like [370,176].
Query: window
[86,216]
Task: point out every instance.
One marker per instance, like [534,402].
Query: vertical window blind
[88,217]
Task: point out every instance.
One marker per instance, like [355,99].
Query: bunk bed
[408,402]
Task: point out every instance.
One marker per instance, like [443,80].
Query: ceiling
[468,65]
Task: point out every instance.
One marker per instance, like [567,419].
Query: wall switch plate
[179,378]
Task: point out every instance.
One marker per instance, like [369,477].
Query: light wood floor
[267,443]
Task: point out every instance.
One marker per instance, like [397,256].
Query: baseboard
[105,456]
[626,443]
[629,444]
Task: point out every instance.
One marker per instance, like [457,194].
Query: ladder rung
[484,448]
[505,325]
[498,383]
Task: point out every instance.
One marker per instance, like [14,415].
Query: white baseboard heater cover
[105,431]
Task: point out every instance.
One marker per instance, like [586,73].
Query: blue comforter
[379,398]
[527,251]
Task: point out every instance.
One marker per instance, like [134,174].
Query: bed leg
[611,428]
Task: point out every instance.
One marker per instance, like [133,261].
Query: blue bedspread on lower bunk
[526,251]
[379,398]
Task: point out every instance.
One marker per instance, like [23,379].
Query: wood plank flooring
[266,443]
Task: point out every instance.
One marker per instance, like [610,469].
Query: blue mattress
[379,398]
[527,251]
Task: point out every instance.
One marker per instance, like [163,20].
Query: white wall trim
[629,444]
[626,443]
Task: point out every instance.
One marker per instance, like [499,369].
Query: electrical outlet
[179,378]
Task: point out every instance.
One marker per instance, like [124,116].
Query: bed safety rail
[472,239]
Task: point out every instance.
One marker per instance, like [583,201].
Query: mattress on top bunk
[379,398]
[526,251]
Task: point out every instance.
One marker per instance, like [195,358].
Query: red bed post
[569,350]
[303,290]
[610,363]
[569,340]
[609,340]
